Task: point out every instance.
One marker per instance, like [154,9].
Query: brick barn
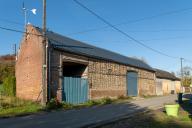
[167,83]
[77,71]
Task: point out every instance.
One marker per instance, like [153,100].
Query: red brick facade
[29,66]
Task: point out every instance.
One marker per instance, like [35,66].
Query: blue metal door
[75,90]
[132,88]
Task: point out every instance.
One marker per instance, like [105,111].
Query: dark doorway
[71,69]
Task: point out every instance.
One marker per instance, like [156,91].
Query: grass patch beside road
[54,104]
[1,88]
[156,119]
[11,106]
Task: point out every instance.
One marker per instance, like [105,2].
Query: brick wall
[108,79]
[29,66]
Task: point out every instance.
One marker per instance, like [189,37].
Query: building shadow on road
[154,119]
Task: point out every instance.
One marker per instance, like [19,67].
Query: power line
[147,40]
[13,30]
[187,60]
[18,31]
[133,31]
[11,22]
[122,32]
[134,21]
[162,30]
[168,38]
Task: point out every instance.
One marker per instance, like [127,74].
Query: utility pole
[181,59]
[44,67]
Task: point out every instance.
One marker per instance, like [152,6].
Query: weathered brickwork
[29,67]
[108,79]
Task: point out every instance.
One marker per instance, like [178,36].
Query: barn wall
[108,79]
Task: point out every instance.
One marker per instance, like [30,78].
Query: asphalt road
[85,117]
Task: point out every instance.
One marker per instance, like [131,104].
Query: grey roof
[73,46]
[165,75]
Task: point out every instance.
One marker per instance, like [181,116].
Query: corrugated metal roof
[70,45]
[165,75]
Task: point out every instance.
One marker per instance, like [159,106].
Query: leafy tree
[187,76]
[186,81]
[7,74]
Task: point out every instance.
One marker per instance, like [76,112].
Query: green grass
[54,104]
[11,106]
[1,88]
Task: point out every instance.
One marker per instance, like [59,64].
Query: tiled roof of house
[73,46]
[165,75]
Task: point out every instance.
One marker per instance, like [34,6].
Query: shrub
[122,97]
[53,104]
[91,103]
[6,70]
[106,100]
[67,105]
[1,89]
[9,86]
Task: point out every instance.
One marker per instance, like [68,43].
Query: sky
[142,19]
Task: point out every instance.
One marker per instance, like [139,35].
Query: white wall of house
[166,86]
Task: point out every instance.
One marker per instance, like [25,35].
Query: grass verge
[54,104]
[11,106]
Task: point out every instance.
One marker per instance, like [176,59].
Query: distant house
[77,71]
[166,83]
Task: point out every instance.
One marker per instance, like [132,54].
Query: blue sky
[170,34]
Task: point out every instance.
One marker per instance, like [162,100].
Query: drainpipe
[59,91]
[48,71]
